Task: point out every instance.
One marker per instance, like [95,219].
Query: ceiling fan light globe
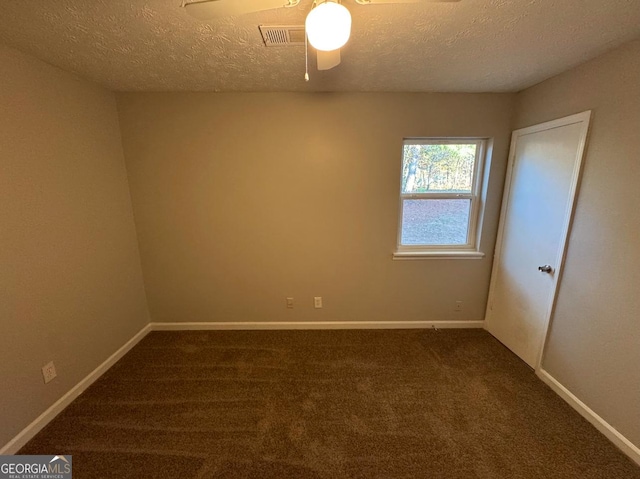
[328,26]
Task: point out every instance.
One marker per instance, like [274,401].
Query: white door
[543,172]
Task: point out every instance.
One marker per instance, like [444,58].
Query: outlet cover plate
[49,372]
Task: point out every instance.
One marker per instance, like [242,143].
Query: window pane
[435,222]
[438,168]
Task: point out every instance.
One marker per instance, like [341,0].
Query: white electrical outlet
[458,306]
[290,303]
[317,302]
[49,372]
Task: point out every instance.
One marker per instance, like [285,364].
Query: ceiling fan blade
[376,2]
[210,9]
[328,60]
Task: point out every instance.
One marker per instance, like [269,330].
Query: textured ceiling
[474,45]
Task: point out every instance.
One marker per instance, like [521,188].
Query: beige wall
[70,282]
[244,199]
[594,344]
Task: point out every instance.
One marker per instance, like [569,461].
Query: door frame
[583,118]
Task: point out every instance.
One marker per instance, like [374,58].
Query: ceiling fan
[327,27]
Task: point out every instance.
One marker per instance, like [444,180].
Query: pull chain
[306,57]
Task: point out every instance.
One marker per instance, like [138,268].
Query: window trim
[471,248]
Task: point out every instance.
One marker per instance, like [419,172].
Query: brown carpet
[326,404]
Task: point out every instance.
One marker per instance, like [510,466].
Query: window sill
[444,254]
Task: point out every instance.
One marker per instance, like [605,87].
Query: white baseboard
[13,446]
[317,325]
[600,424]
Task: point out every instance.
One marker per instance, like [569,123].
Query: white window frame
[471,248]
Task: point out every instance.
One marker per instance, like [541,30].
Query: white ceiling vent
[282,35]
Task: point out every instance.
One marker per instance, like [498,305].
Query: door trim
[583,118]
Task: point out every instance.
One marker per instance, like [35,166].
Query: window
[440,197]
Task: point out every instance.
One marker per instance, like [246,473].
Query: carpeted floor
[326,404]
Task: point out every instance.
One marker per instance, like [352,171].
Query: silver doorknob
[546,268]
